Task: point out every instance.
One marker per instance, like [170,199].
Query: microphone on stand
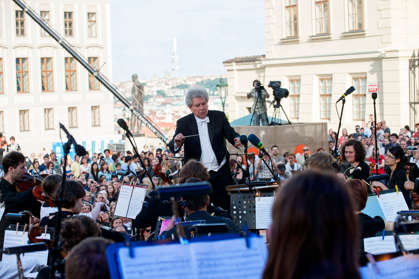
[347,93]
[121,122]
[256,142]
[80,150]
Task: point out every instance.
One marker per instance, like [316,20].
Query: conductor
[202,134]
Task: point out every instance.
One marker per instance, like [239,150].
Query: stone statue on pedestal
[137,93]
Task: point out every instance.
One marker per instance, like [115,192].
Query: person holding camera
[259,95]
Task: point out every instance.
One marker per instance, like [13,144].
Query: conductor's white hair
[195,92]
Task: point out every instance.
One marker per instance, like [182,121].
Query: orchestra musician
[202,134]
[353,155]
[14,171]
[395,161]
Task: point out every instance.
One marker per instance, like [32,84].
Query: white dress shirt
[208,158]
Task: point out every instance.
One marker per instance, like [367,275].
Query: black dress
[362,171]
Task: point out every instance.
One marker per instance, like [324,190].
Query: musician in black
[395,161]
[353,155]
[14,170]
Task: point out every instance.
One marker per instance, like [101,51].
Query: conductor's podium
[251,205]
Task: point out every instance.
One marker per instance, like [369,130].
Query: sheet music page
[391,203]
[124,198]
[373,208]
[136,203]
[397,268]
[19,238]
[46,211]
[263,212]
[157,261]
[376,245]
[229,259]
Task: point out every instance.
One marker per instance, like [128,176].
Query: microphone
[121,122]
[256,142]
[244,141]
[80,150]
[348,92]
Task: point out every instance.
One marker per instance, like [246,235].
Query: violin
[157,169]
[27,182]
[38,193]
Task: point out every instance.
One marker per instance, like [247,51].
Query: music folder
[130,201]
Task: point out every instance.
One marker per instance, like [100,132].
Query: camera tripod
[277,112]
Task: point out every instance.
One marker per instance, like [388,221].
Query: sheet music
[2,209]
[391,203]
[124,198]
[263,212]
[136,203]
[377,245]
[18,238]
[397,268]
[229,258]
[214,261]
[157,261]
[46,211]
[373,208]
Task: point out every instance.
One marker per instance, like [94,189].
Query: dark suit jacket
[218,129]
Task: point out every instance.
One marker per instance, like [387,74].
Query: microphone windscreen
[80,150]
[243,140]
[253,140]
[121,122]
[350,90]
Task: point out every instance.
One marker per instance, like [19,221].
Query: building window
[321,20]
[49,118]
[20,23]
[294,89]
[325,89]
[93,82]
[46,18]
[355,15]
[2,121]
[95,116]
[91,23]
[70,74]
[72,117]
[24,120]
[68,24]
[47,76]
[359,97]
[1,77]
[22,75]
[291,18]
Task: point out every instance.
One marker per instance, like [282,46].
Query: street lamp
[222,89]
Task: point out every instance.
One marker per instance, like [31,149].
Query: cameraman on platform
[259,94]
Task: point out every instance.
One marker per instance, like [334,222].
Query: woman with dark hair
[314,232]
[94,172]
[395,161]
[353,156]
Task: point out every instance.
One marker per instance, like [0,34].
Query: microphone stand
[269,168]
[335,152]
[374,97]
[134,147]
[246,172]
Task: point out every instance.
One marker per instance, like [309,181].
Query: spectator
[43,166]
[13,146]
[292,167]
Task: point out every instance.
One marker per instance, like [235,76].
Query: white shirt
[208,158]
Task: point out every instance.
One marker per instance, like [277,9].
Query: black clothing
[18,201]
[218,130]
[207,218]
[398,178]
[51,220]
[362,171]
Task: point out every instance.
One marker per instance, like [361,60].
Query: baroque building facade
[319,48]
[42,85]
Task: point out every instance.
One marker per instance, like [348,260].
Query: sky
[208,32]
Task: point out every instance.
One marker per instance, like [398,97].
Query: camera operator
[259,95]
